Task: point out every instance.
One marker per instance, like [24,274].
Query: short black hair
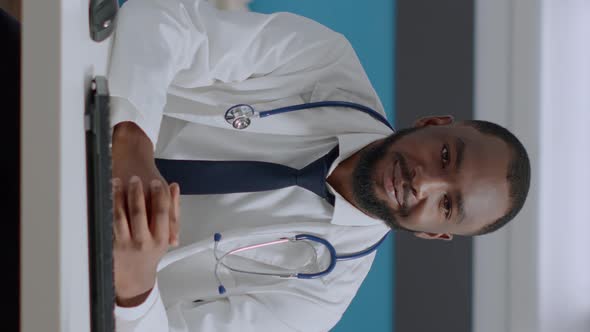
[518,174]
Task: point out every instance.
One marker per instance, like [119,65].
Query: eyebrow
[460,150]
[460,208]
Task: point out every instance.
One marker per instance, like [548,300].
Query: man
[176,67]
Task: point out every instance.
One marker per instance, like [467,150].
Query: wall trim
[507,91]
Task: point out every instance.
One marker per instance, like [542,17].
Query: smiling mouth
[389,184]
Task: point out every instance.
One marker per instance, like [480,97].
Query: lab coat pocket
[193,278]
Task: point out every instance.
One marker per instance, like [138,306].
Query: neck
[341,177]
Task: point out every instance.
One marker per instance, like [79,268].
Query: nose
[425,182]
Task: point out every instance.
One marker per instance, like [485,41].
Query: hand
[141,239]
[133,154]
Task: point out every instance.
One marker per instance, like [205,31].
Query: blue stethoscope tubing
[358,107]
[239,116]
[334,257]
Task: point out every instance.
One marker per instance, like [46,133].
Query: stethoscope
[334,257]
[240,117]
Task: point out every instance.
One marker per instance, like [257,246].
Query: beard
[364,184]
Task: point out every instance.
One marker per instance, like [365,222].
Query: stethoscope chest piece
[239,116]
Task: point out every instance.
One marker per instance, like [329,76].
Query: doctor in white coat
[176,67]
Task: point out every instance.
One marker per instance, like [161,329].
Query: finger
[137,213]
[174,214]
[120,223]
[160,212]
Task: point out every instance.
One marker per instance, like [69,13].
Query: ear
[434,236]
[434,121]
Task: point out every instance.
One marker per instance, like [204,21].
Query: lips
[389,184]
[399,192]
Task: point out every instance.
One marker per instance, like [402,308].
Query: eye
[445,156]
[447,206]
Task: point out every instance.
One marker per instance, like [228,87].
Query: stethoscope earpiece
[221,290]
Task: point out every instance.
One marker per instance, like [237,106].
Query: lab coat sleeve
[148,316]
[288,306]
[189,44]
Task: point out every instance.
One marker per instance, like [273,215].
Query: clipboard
[100,207]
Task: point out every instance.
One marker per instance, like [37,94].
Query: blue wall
[370,30]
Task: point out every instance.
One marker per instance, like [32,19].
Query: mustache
[407,183]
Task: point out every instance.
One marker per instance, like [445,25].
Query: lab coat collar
[345,213]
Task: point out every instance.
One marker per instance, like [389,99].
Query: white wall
[564,263]
[59,59]
[532,75]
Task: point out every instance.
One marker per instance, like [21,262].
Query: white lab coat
[176,66]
